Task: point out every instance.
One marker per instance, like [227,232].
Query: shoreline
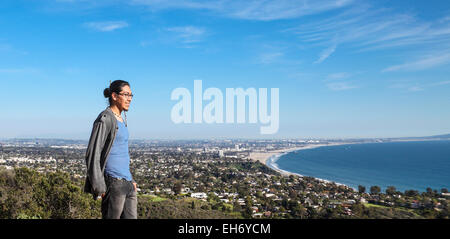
[269,159]
[263,157]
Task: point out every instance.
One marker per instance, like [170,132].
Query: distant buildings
[231,177]
[200,195]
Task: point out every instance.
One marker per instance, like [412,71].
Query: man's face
[123,99]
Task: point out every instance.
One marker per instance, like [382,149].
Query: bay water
[407,165]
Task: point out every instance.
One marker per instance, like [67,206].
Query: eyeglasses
[127,95]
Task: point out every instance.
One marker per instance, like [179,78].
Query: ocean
[408,165]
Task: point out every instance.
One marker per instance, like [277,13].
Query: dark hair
[116,87]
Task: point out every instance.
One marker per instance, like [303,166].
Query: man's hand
[101,196]
[135,187]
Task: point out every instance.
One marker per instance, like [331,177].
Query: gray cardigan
[102,137]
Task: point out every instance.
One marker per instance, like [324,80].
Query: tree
[200,188]
[285,203]
[361,189]
[26,193]
[391,190]
[299,212]
[247,212]
[177,188]
[293,194]
[411,193]
[429,191]
[357,209]
[375,190]
[236,206]
[243,191]
[212,198]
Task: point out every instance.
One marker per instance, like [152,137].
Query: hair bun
[107,93]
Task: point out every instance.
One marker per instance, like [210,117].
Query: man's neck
[116,109]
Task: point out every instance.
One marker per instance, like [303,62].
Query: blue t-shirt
[118,162]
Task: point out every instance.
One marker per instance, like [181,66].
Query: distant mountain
[433,137]
[442,136]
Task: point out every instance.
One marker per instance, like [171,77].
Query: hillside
[28,194]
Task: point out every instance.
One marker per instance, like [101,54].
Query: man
[107,157]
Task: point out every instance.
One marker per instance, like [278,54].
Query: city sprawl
[221,175]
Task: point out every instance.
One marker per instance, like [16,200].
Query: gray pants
[120,200]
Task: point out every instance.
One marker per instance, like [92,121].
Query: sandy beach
[263,157]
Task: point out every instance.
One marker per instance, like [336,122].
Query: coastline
[270,158]
[263,157]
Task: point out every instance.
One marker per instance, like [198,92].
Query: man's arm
[93,154]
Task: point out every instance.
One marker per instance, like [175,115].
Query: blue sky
[344,68]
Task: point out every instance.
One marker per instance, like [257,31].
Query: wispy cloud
[339,76]
[281,9]
[340,81]
[441,83]
[416,86]
[179,4]
[260,10]
[408,86]
[267,58]
[365,28]
[421,64]
[325,54]
[340,86]
[106,26]
[250,9]
[188,34]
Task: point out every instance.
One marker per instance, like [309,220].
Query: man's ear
[114,96]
